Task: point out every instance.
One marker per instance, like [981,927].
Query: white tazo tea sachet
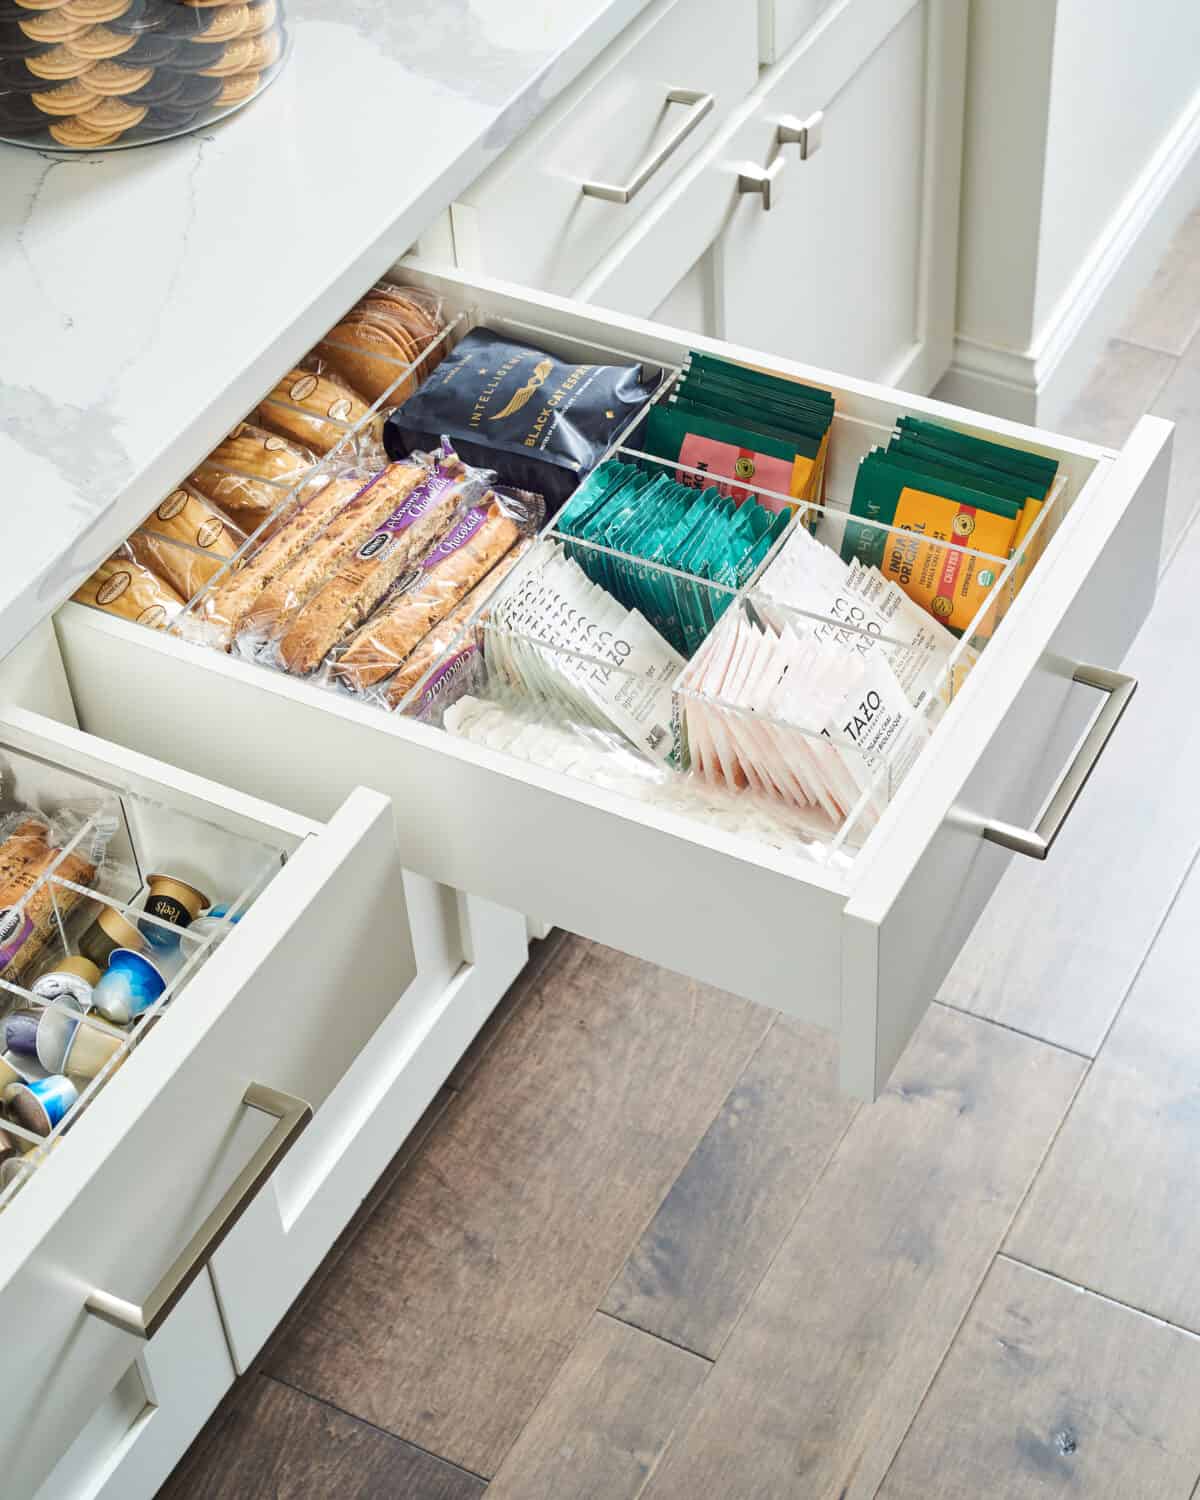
[563,641]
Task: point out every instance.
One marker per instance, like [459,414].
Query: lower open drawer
[853,940]
[205,1089]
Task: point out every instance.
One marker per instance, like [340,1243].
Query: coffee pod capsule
[173,901]
[18,1067]
[107,933]
[130,985]
[42,1103]
[55,1029]
[20,1032]
[8,1147]
[88,1050]
[71,979]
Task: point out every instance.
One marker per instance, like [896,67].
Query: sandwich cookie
[196,92]
[100,42]
[223,25]
[52,26]
[150,50]
[80,137]
[110,78]
[237,89]
[67,99]
[250,53]
[261,17]
[112,114]
[96,12]
[163,87]
[14,42]
[19,115]
[16,78]
[193,53]
[58,65]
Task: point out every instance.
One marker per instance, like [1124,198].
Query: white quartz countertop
[149,297]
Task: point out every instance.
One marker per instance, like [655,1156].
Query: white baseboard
[1039,383]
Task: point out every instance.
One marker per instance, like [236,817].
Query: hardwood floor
[453,1308]
[640,1247]
[1053,1392]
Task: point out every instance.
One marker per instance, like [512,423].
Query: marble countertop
[150,296]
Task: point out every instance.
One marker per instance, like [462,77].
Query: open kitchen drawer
[117,1214]
[856,943]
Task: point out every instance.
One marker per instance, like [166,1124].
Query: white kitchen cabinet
[346,988]
[857,945]
[399,914]
[839,250]
[139,1429]
[570,185]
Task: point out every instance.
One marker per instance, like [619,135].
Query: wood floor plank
[1167,314]
[1114,1207]
[1124,384]
[605,1419]
[268,1439]
[1054,1392]
[1060,942]
[1179,402]
[456,1304]
[818,1382]
[705,1250]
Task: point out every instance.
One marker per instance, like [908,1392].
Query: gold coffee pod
[107,933]
[174,900]
[88,1051]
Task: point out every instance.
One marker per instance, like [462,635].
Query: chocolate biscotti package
[219,614]
[479,536]
[33,846]
[425,498]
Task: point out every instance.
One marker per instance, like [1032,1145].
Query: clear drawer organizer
[140,838]
[539,727]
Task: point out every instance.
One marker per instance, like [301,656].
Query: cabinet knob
[804,133]
[763,180]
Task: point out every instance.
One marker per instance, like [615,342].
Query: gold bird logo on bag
[522,397]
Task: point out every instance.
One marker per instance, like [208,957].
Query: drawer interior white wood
[818,938]
[287,998]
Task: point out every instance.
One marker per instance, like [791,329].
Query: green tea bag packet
[944,518]
[1034,467]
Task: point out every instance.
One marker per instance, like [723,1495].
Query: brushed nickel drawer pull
[763,180]
[698,105]
[1037,842]
[804,133]
[143,1322]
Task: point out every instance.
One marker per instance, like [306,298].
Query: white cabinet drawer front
[783,22]
[784,928]
[528,218]
[287,1000]
[853,264]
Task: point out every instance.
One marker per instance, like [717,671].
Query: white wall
[1123,73]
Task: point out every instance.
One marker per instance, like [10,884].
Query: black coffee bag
[540,422]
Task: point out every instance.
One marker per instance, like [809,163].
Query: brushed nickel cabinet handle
[143,1322]
[698,105]
[1037,842]
[804,133]
[765,181]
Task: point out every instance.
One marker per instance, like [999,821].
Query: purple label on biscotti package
[458,536]
[452,677]
[426,495]
[15,928]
